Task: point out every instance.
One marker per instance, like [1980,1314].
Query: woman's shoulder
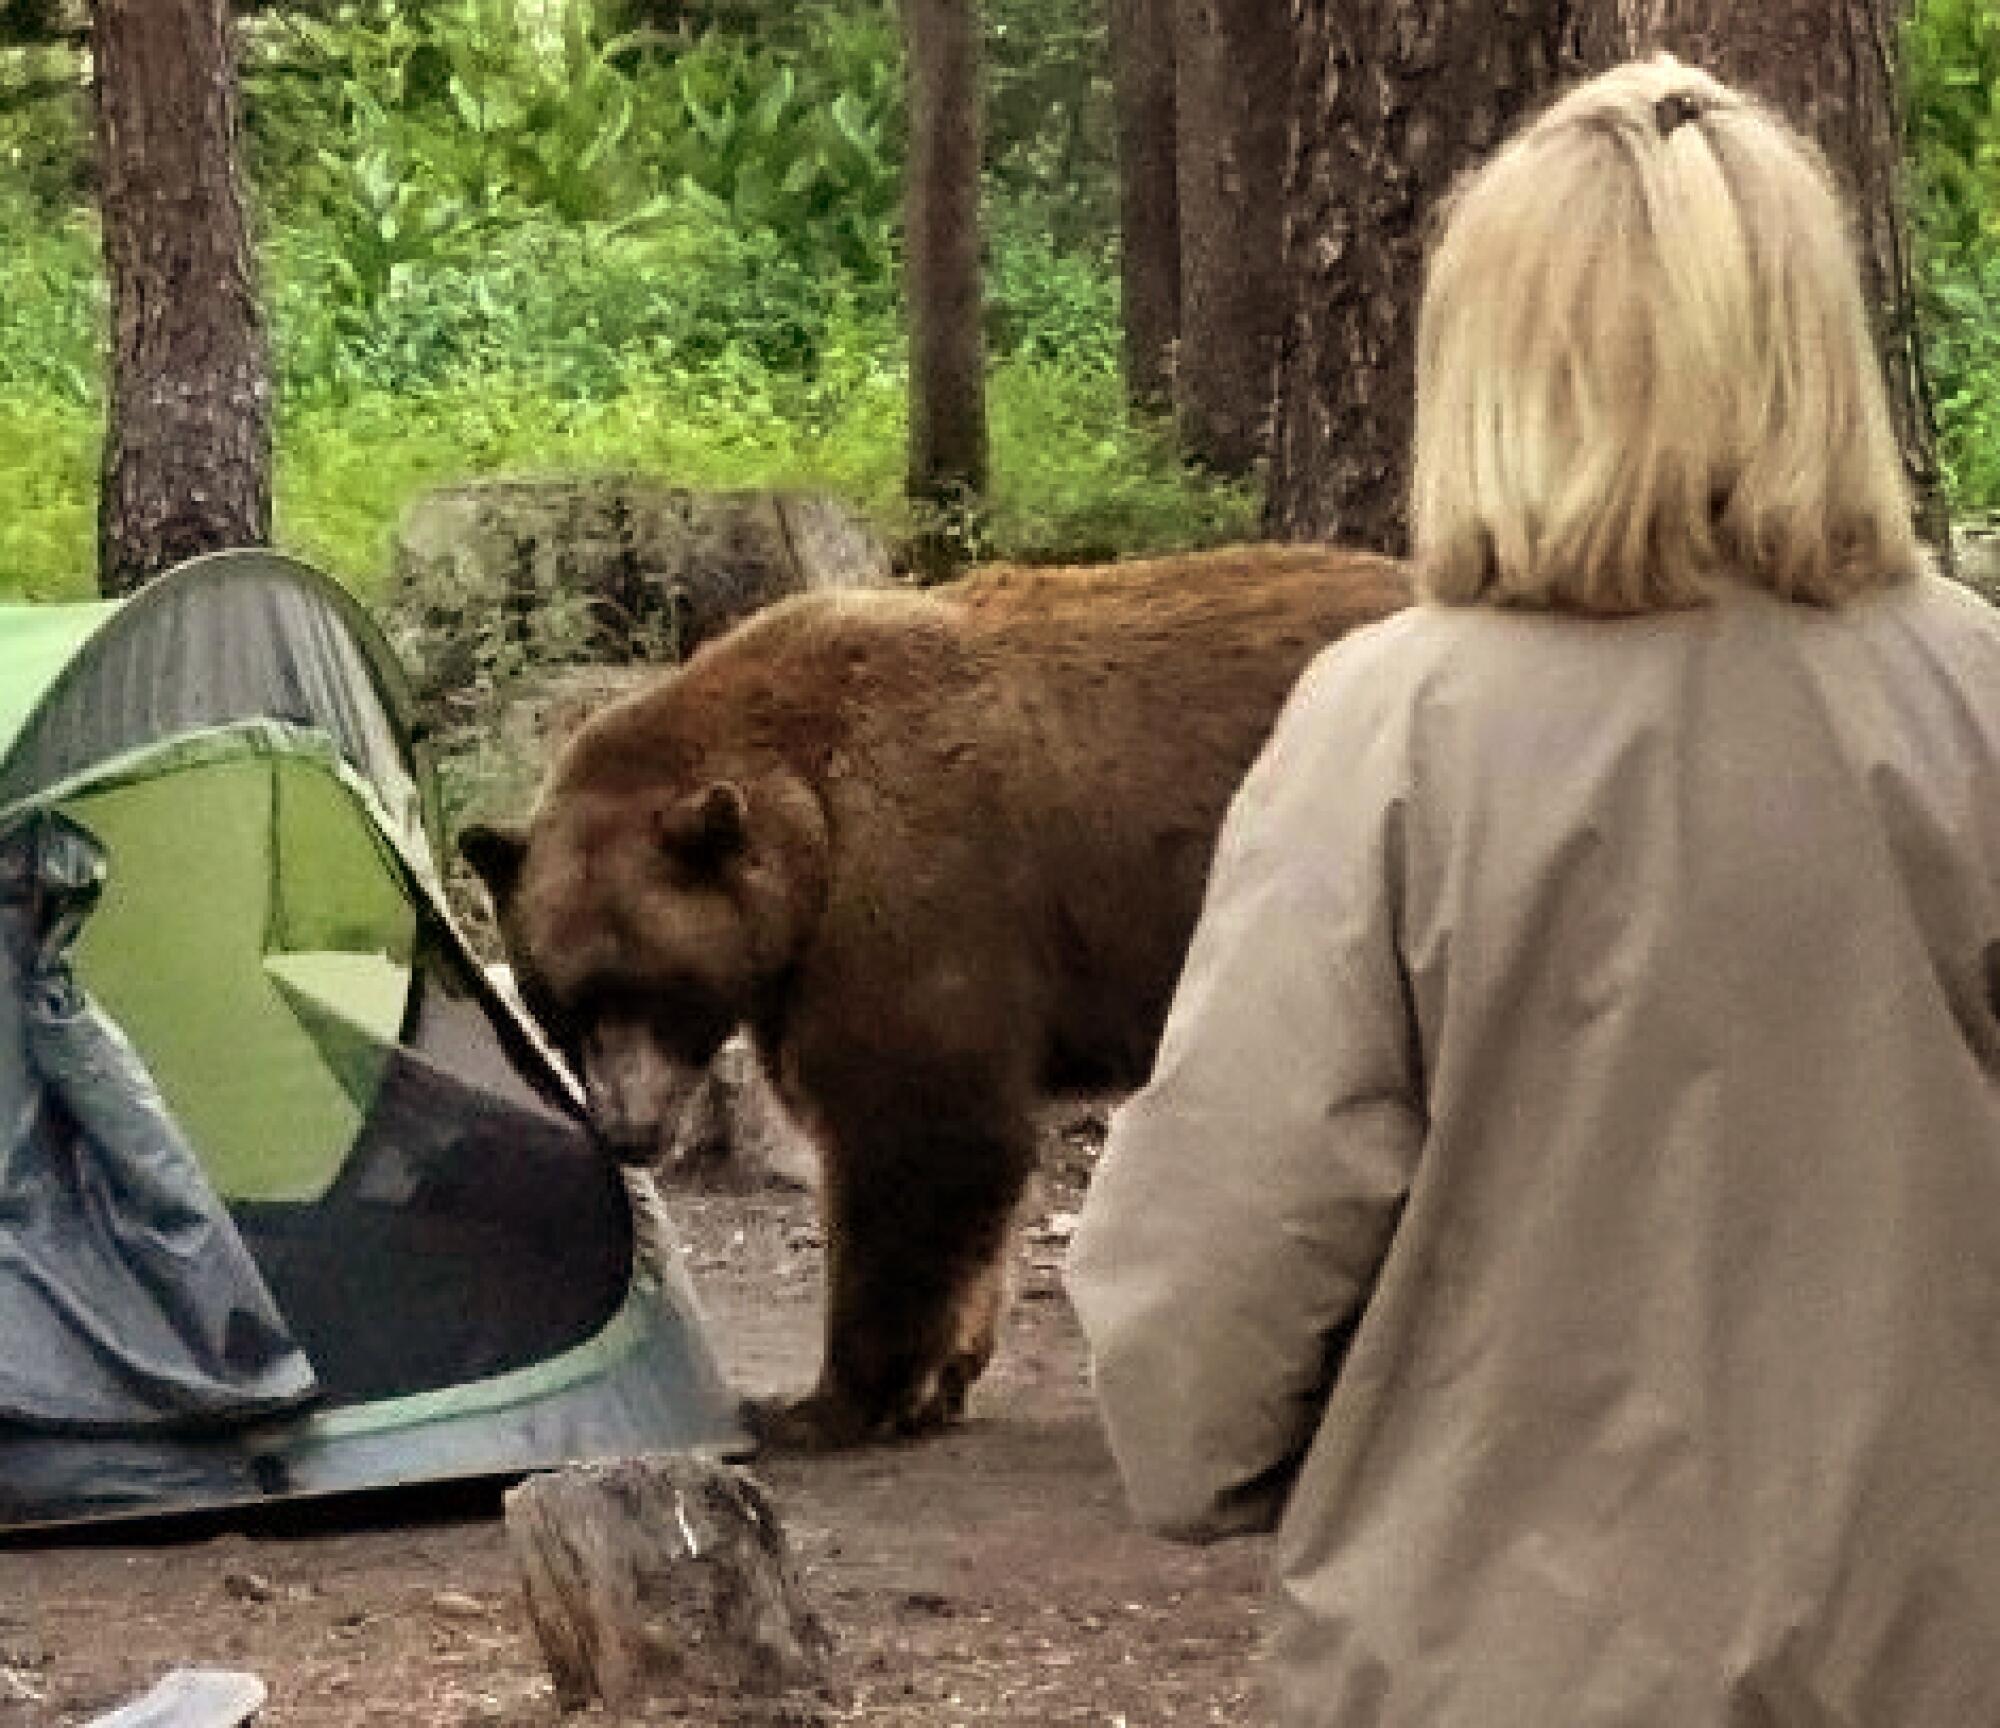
[1954,606]
[1429,647]
[1399,645]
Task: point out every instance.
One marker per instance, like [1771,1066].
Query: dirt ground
[988,1576]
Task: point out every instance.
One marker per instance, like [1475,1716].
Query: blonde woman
[1567,1202]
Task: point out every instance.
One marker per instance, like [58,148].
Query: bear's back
[1147,667]
[1149,689]
[1164,676]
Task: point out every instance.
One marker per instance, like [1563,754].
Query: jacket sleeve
[1246,1197]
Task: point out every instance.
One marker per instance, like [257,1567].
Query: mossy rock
[1976,554]
[495,578]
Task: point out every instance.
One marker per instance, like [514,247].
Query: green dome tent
[292,1201]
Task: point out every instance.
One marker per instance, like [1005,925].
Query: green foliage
[579,309]
[463,102]
[42,122]
[507,240]
[1050,304]
[1952,56]
[51,307]
[1076,479]
[48,475]
[806,142]
[461,118]
[1952,59]
[1051,148]
[1962,298]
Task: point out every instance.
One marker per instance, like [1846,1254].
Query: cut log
[663,1578]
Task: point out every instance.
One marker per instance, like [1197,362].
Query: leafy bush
[805,142]
[42,126]
[460,116]
[1076,479]
[52,303]
[1045,303]
[1051,144]
[579,308]
[498,238]
[48,475]
[1952,55]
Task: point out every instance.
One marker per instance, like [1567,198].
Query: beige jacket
[1591,1032]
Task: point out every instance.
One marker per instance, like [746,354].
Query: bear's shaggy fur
[939,851]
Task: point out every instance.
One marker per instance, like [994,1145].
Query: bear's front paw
[818,1422]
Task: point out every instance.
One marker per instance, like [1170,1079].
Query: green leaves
[1952,75]
[1952,63]
[801,141]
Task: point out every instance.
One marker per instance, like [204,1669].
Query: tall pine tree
[187,448]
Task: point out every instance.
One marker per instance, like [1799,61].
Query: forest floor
[988,1576]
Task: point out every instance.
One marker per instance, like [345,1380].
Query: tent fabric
[267,1044]
[645,1383]
[36,643]
[127,1298]
[287,872]
[233,636]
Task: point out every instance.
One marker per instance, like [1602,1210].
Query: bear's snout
[636,1092]
[629,1142]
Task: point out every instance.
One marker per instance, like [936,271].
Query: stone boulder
[735,1134]
[1976,551]
[492,578]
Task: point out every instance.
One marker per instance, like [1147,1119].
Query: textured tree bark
[941,202]
[1142,70]
[666,1577]
[187,449]
[1233,71]
[1393,98]
[1829,66]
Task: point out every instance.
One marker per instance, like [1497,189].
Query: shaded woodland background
[733,242]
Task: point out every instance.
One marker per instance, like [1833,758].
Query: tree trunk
[663,1578]
[1393,99]
[1396,96]
[1233,69]
[947,353]
[1829,66]
[187,449]
[1142,71]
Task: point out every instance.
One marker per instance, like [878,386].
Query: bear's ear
[496,856]
[708,827]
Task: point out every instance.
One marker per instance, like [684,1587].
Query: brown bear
[940,851]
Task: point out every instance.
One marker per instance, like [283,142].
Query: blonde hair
[1643,366]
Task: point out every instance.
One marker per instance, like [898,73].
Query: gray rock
[492,578]
[736,1134]
[1975,551]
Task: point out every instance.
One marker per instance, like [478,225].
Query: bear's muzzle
[636,1092]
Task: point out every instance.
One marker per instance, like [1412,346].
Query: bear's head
[645,921]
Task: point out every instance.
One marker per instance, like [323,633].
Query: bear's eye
[681,1015]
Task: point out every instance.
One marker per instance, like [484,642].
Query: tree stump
[661,1578]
